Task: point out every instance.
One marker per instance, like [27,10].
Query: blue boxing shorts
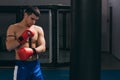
[27,70]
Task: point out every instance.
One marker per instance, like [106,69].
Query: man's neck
[22,23]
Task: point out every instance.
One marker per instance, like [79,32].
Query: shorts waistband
[26,63]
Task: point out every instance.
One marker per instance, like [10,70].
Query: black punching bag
[86,40]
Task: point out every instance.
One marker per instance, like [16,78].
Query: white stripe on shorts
[15,73]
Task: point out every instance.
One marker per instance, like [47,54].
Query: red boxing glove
[25,35]
[25,53]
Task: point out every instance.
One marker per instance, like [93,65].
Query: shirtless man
[27,39]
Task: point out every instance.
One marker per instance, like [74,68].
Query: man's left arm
[41,42]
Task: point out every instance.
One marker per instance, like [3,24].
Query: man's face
[31,19]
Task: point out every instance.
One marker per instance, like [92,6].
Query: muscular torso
[18,30]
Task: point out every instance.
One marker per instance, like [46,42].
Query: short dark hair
[32,9]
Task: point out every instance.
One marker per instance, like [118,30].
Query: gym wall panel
[105,46]
[115,4]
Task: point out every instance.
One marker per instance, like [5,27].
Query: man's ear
[25,14]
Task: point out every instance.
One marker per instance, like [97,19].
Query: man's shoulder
[37,27]
[13,25]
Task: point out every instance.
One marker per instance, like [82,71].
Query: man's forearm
[40,49]
[11,45]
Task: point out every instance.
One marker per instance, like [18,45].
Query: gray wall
[34,2]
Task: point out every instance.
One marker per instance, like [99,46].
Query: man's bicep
[10,34]
[41,40]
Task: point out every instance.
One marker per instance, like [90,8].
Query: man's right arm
[11,42]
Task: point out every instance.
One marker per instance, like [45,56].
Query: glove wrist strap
[34,50]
